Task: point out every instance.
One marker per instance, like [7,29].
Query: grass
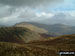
[18,35]
[43,48]
[11,43]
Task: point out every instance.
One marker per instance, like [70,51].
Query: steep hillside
[31,27]
[18,34]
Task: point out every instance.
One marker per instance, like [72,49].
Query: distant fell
[32,27]
[56,29]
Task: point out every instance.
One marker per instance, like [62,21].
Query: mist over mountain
[59,18]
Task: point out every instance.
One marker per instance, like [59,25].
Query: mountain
[18,35]
[31,27]
[22,41]
[56,29]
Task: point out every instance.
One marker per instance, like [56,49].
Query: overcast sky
[14,11]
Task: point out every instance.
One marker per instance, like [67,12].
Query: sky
[44,11]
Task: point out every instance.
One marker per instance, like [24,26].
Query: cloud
[60,18]
[27,2]
[7,7]
[29,14]
[14,11]
[45,14]
[17,15]
[23,14]
[4,11]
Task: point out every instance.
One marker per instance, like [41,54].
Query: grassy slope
[43,48]
[62,43]
[18,34]
[12,49]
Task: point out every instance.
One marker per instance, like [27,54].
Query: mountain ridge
[56,29]
[31,27]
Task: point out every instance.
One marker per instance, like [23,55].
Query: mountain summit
[31,27]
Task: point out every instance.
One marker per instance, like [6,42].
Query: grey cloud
[27,13]
[17,15]
[60,18]
[27,2]
[13,11]
[6,11]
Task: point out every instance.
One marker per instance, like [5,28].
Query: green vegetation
[18,34]
[20,41]
[12,49]
[43,48]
